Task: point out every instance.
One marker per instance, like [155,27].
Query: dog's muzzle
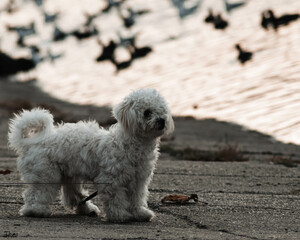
[160,124]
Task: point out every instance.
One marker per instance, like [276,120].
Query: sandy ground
[255,199]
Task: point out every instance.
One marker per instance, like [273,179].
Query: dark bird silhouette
[107,52]
[265,20]
[142,12]
[140,52]
[50,18]
[128,20]
[210,17]
[220,23]
[122,65]
[35,54]
[90,18]
[126,42]
[243,56]
[85,32]
[269,19]
[59,35]
[231,6]
[53,57]
[23,31]
[39,3]
[20,41]
[111,4]
[10,66]
[184,11]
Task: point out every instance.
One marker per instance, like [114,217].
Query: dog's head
[144,113]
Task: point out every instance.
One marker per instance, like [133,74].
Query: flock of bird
[268,20]
[10,65]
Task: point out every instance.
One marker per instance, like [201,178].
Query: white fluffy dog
[120,161]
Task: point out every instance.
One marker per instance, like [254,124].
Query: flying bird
[220,23]
[24,30]
[53,57]
[139,52]
[85,32]
[210,17]
[107,52]
[269,19]
[232,6]
[243,56]
[10,66]
[59,35]
[122,65]
[111,4]
[184,11]
[49,18]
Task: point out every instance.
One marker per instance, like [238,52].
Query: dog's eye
[147,113]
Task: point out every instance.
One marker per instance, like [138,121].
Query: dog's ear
[125,114]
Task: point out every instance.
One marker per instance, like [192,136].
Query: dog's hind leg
[42,186]
[37,198]
[73,194]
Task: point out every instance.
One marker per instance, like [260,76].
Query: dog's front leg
[139,196]
[116,204]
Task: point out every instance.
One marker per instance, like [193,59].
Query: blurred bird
[142,12]
[220,23]
[53,57]
[269,19]
[20,41]
[59,35]
[35,54]
[210,17]
[10,66]
[231,6]
[85,32]
[90,18]
[243,56]
[111,4]
[23,31]
[128,20]
[140,52]
[122,65]
[184,11]
[126,42]
[107,51]
[265,20]
[49,18]
[39,3]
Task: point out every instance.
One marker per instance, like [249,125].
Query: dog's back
[34,137]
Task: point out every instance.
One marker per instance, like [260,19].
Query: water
[193,65]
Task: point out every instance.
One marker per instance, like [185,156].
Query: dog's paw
[143,214]
[35,211]
[88,209]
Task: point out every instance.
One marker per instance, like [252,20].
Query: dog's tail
[29,127]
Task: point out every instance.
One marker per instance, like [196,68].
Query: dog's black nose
[161,124]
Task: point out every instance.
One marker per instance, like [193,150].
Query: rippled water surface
[193,65]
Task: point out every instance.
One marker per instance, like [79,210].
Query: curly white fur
[120,161]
